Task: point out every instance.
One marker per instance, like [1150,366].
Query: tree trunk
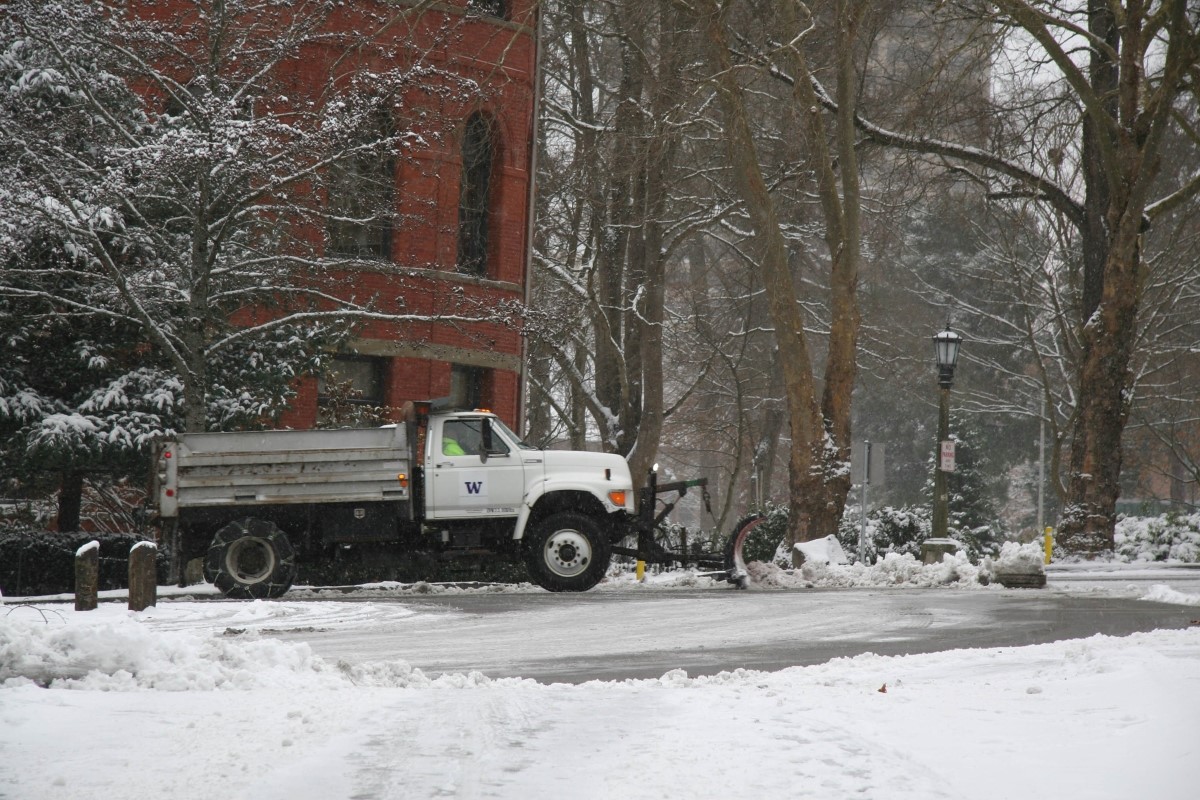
[1089,512]
[612,373]
[70,501]
[1135,117]
[1089,518]
[538,413]
[648,258]
[804,417]
[826,490]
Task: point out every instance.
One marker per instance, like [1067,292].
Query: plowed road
[639,634]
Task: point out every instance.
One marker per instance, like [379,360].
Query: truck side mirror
[485,440]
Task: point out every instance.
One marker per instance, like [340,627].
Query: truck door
[474,471]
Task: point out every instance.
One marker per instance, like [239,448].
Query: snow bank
[397,589]
[1017,559]
[123,655]
[1161,593]
[893,569]
[1102,718]
[826,551]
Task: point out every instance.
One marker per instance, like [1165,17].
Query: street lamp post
[946,344]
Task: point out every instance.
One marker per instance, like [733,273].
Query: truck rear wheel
[251,559]
[567,552]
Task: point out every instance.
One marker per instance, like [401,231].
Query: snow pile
[625,580]
[124,655]
[1161,593]
[825,551]
[1017,559]
[397,589]
[894,569]
[1102,718]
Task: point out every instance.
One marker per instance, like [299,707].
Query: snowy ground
[173,703]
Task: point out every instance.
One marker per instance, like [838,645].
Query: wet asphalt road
[643,634]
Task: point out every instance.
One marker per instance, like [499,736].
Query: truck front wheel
[567,552]
[251,559]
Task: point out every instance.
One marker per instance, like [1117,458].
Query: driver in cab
[460,438]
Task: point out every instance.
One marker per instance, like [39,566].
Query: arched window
[478,154]
[361,189]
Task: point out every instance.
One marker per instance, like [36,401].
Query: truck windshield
[496,423]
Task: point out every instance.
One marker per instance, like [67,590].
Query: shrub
[889,530]
[36,562]
[1170,537]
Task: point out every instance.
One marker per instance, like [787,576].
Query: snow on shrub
[1170,537]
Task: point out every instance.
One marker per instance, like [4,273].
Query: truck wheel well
[553,503]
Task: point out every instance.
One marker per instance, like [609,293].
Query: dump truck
[253,505]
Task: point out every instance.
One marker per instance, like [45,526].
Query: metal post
[941,492]
[939,545]
[862,532]
[645,537]
[1041,523]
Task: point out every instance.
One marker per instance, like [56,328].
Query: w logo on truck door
[472,487]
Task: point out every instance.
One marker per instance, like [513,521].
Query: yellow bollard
[641,571]
[1048,542]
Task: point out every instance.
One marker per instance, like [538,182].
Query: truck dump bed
[282,467]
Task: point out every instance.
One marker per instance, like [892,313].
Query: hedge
[36,562]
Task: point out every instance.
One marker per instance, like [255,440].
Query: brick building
[457,243]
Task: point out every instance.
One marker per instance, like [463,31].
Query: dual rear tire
[251,559]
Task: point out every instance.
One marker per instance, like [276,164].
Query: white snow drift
[183,699]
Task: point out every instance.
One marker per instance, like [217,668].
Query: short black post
[143,576]
[87,576]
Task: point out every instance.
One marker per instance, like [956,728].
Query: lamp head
[946,344]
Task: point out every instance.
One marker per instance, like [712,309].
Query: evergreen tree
[973,516]
[85,383]
[159,152]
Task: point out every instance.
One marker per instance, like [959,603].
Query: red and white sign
[946,461]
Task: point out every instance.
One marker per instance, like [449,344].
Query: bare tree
[607,222]
[818,416]
[1126,68]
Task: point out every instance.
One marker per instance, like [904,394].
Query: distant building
[461,218]
[457,239]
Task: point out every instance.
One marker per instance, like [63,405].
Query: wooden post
[143,576]
[87,576]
